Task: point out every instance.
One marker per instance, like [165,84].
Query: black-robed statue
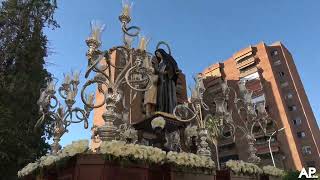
[167,70]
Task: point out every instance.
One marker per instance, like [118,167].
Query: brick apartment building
[271,74]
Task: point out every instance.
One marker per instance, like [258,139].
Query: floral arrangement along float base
[117,159]
[238,169]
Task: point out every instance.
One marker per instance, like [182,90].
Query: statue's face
[158,54]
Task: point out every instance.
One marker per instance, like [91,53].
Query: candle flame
[143,43]
[96,30]
[126,7]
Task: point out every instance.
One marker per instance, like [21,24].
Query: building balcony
[225,141]
[228,152]
[246,62]
[244,53]
[212,81]
[227,148]
[248,70]
[263,148]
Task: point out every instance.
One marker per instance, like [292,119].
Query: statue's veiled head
[162,54]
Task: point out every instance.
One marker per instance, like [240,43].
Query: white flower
[28,169]
[190,160]
[122,150]
[243,167]
[158,122]
[47,160]
[76,147]
[139,152]
[191,131]
[272,171]
[130,133]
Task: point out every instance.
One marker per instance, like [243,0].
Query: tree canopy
[23,49]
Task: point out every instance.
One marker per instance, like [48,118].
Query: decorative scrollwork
[138,78]
[165,44]
[183,113]
[61,117]
[111,76]
[126,30]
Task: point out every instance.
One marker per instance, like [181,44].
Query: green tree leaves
[23,48]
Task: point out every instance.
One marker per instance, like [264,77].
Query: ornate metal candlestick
[131,71]
[212,126]
[59,116]
[193,111]
[250,115]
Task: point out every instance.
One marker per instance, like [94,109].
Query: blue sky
[199,32]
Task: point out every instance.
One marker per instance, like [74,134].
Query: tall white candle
[51,86]
[143,43]
[96,30]
[76,76]
[126,10]
[67,79]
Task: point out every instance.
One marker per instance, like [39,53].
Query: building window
[259,99]
[301,134]
[281,74]
[227,134]
[277,63]
[289,96]
[272,139]
[227,147]
[261,140]
[297,121]
[274,53]
[264,140]
[306,150]
[292,108]
[284,84]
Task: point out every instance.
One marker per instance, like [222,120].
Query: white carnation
[191,131]
[70,150]
[76,147]
[190,160]
[243,167]
[272,171]
[139,152]
[158,122]
[48,160]
[28,169]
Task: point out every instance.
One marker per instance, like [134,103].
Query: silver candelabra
[61,116]
[250,115]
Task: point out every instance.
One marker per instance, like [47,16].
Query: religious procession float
[145,127]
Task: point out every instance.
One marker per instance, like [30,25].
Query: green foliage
[291,175]
[23,48]
[212,126]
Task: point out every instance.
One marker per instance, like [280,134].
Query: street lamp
[269,141]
